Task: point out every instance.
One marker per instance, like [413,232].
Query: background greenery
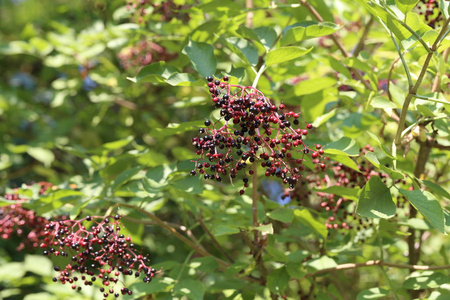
[79,109]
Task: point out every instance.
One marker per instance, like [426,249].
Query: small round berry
[225,78]
[309,126]
[241,192]
[282,106]
[207,122]
[210,78]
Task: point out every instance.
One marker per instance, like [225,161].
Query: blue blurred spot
[89,84]
[22,80]
[275,192]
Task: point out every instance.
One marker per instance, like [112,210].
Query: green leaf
[156,72]
[306,30]
[183,79]
[42,46]
[39,296]
[204,264]
[268,229]
[43,155]
[202,57]
[295,270]
[281,214]
[348,193]
[373,293]
[12,271]
[343,146]
[406,5]
[222,229]
[244,49]
[374,160]
[277,280]
[382,102]
[157,285]
[176,128]
[193,289]
[306,218]
[285,54]
[38,264]
[321,263]
[375,200]
[425,280]
[444,6]
[311,86]
[124,177]
[381,145]
[159,72]
[267,36]
[118,144]
[436,188]
[189,184]
[60,195]
[428,206]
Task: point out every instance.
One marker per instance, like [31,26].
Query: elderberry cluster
[340,217]
[16,220]
[429,9]
[97,253]
[251,129]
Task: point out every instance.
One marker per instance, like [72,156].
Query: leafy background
[78,108]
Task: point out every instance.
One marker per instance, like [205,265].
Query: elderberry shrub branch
[253,129]
[96,251]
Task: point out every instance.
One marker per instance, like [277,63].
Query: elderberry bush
[95,251]
[252,129]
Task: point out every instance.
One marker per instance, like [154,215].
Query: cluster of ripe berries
[251,129]
[16,220]
[429,9]
[97,253]
[340,216]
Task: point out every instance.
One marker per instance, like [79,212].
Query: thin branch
[341,48]
[249,6]
[213,239]
[182,238]
[360,46]
[258,75]
[125,103]
[437,78]
[255,202]
[414,89]
[371,263]
[391,70]
[405,65]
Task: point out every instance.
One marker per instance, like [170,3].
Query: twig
[249,6]
[371,263]
[360,46]
[341,48]
[437,78]
[213,239]
[414,89]
[255,202]
[391,70]
[167,226]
